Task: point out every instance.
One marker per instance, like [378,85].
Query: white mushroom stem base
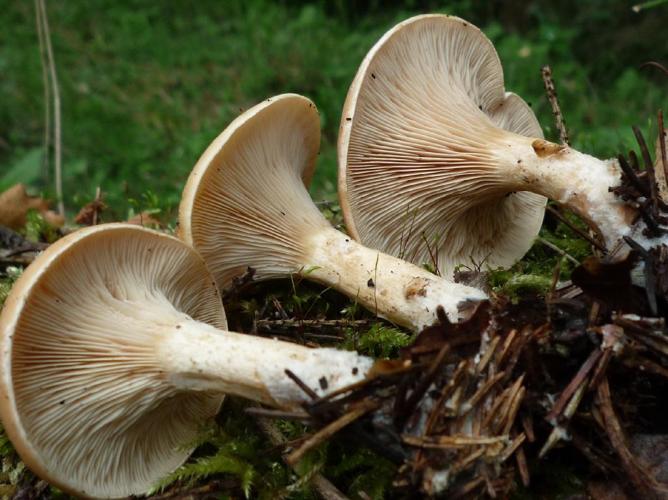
[576,180]
[396,290]
[197,356]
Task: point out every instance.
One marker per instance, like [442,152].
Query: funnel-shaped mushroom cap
[414,173]
[244,202]
[83,399]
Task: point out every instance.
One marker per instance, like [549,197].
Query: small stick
[205,491]
[559,432]
[649,168]
[633,158]
[507,343]
[508,410]
[446,391]
[422,387]
[311,323]
[521,459]
[511,414]
[489,352]
[527,425]
[449,442]
[655,341]
[481,392]
[561,252]
[551,91]
[646,214]
[662,146]
[462,464]
[321,484]
[369,380]
[637,473]
[597,457]
[98,197]
[329,430]
[631,175]
[650,279]
[601,367]
[655,64]
[576,383]
[259,411]
[300,383]
[576,229]
[512,447]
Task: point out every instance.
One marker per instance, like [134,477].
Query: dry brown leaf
[15,204]
[89,215]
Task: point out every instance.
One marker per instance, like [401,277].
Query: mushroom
[246,205]
[436,158]
[114,353]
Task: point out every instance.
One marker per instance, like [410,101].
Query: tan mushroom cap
[82,397]
[412,172]
[240,199]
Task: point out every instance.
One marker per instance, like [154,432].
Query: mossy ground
[233,455]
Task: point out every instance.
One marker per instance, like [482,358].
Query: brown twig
[662,147]
[558,250]
[301,384]
[322,485]
[330,429]
[631,175]
[576,229]
[406,407]
[650,279]
[271,324]
[649,168]
[551,92]
[636,471]
[454,441]
[576,382]
[655,64]
[521,459]
[259,411]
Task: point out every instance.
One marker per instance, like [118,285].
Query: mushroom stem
[199,357]
[246,205]
[576,180]
[392,288]
[115,351]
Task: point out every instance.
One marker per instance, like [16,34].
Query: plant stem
[57,139]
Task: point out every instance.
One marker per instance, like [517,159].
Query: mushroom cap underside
[415,173]
[83,401]
[245,202]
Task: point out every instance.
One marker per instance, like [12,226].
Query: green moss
[379,341]
[38,229]
[236,449]
[7,281]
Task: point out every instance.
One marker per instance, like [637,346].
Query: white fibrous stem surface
[576,180]
[392,288]
[199,357]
